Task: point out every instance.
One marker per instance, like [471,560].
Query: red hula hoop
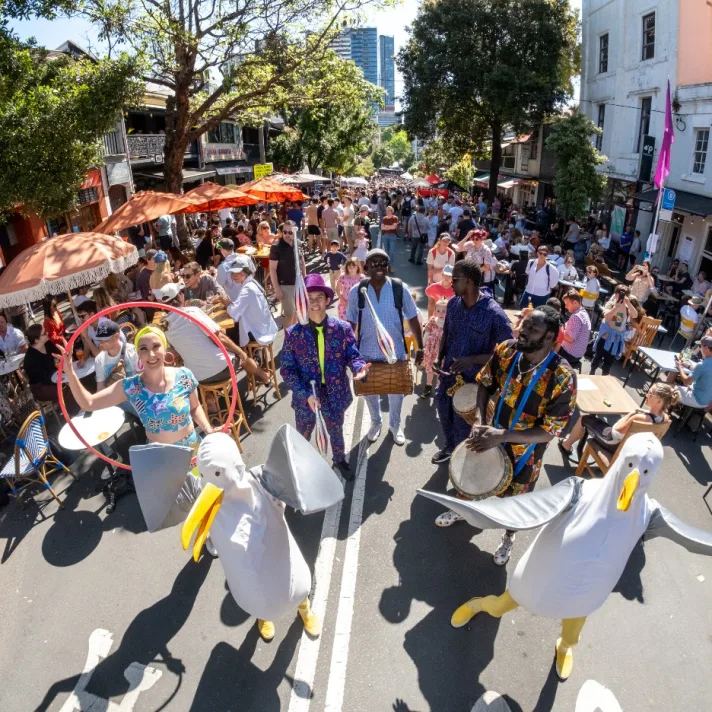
[145,305]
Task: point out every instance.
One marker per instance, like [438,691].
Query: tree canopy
[54,111]
[473,68]
[576,178]
[330,137]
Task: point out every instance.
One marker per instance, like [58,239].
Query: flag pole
[656,220]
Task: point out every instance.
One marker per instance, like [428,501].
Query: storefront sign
[687,247]
[223,152]
[118,173]
[646,159]
[263,169]
[233,169]
[667,205]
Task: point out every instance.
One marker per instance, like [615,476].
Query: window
[699,158]
[603,53]
[534,147]
[599,123]
[648,36]
[508,157]
[646,106]
[223,133]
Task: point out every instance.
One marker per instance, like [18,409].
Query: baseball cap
[151,254]
[335,242]
[364,209]
[226,244]
[160,257]
[238,263]
[168,292]
[447,271]
[706,342]
[106,330]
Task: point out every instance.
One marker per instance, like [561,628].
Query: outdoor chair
[33,461]
[603,458]
[128,330]
[644,336]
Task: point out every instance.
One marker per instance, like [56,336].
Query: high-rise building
[359,44]
[387,78]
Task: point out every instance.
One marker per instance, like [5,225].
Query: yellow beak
[201,517]
[629,487]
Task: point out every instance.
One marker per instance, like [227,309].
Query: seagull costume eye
[217,473]
[645,472]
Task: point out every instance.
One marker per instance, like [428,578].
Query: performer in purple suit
[320,352]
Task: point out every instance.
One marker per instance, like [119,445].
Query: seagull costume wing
[664,523]
[526,511]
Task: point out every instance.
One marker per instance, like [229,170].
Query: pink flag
[663,168]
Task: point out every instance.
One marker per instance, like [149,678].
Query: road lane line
[308,656]
[345,612]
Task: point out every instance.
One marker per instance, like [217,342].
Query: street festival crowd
[501,382]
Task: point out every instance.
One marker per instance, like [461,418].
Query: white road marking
[140,678]
[308,656]
[594,697]
[345,613]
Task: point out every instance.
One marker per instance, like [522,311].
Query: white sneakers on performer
[504,550]
[210,548]
[398,437]
[447,519]
[374,432]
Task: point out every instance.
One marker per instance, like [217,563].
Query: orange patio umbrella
[272,190]
[61,263]
[211,196]
[145,207]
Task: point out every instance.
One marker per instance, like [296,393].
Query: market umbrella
[419,183]
[62,263]
[144,207]
[433,179]
[272,191]
[211,196]
[296,178]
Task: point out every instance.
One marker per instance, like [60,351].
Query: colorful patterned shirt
[161,412]
[549,406]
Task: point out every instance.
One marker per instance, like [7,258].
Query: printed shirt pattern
[550,405]
[160,412]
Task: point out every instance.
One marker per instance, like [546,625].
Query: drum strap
[522,460]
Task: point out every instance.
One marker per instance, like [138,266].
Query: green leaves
[53,115]
[576,180]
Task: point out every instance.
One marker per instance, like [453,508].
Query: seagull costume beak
[201,517]
[630,485]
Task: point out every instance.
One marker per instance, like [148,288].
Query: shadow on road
[145,641]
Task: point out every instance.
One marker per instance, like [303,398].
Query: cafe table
[81,371]
[602,395]
[662,361]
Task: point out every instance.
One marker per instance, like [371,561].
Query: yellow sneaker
[312,624]
[564,660]
[464,614]
[266,629]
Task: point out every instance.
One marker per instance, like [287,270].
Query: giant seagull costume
[588,531]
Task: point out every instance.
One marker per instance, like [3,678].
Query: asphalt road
[386,580]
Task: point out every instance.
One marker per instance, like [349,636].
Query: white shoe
[447,519]
[374,432]
[398,437]
[210,548]
[504,550]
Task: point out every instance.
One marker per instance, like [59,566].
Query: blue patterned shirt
[388,315]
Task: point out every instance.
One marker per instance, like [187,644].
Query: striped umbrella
[385,342]
[322,436]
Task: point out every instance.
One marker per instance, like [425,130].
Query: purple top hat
[316,283]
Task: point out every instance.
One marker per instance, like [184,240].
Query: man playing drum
[536,396]
[474,325]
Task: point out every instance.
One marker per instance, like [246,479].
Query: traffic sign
[668,199]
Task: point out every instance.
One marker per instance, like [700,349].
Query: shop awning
[188,176]
[505,184]
[684,202]
[93,180]
[482,178]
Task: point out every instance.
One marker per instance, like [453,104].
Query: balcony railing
[143,146]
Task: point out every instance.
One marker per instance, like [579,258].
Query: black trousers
[601,356]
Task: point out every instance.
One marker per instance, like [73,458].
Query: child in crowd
[361,248]
[334,260]
[348,279]
[432,336]
[590,293]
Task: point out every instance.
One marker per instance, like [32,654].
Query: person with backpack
[417,231]
[542,277]
[392,303]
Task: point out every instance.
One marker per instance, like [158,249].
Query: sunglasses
[543,252]
[378,263]
[287,233]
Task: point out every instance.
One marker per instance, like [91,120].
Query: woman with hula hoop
[164,398]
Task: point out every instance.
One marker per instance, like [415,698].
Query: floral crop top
[160,412]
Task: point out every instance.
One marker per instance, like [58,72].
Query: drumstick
[322,437]
[385,342]
[301,297]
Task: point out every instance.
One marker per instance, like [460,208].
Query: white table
[81,371]
[580,285]
[94,427]
[688,292]
[662,361]
[11,364]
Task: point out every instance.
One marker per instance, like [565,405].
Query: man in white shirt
[455,213]
[227,250]
[542,277]
[700,285]
[347,220]
[12,340]
[199,352]
[364,200]
[116,359]
[250,308]
[558,259]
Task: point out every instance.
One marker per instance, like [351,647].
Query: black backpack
[397,286]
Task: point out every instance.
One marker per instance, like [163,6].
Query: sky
[392,21]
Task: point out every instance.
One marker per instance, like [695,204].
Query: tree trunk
[261,134]
[496,160]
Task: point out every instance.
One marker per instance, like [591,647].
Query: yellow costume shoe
[564,660]
[466,612]
[312,624]
[266,629]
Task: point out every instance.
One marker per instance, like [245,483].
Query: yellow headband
[150,330]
